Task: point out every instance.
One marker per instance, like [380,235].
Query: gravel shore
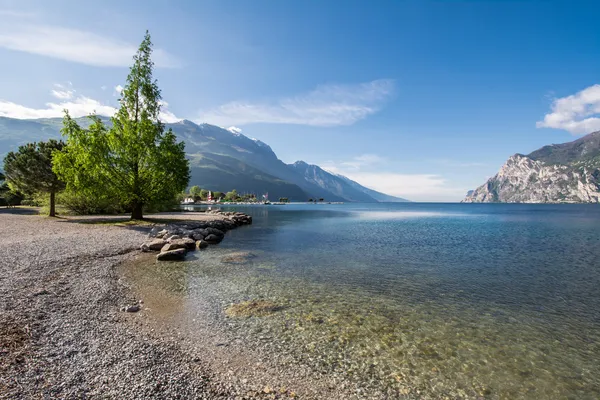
[62,334]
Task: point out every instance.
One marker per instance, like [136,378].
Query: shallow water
[422,300]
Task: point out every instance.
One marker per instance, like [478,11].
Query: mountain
[341,185]
[222,160]
[378,196]
[558,173]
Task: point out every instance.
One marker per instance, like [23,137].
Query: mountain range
[557,173]
[222,160]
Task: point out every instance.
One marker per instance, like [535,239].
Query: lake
[421,300]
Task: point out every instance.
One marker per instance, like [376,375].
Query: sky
[419,99]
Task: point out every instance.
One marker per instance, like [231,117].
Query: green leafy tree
[217,195]
[135,162]
[203,194]
[29,170]
[196,192]
[231,196]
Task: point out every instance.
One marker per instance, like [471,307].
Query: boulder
[172,255]
[153,245]
[185,243]
[213,239]
[201,244]
[173,237]
[215,231]
[198,236]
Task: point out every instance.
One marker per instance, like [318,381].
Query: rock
[173,237]
[134,308]
[185,243]
[198,236]
[201,244]
[215,231]
[239,257]
[213,239]
[153,245]
[161,233]
[172,255]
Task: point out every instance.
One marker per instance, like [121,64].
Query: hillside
[558,173]
[222,160]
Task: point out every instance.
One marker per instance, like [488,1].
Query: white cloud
[79,106]
[76,46]
[360,162]
[103,87]
[417,187]
[577,113]
[328,105]
[234,129]
[118,90]
[62,92]
[366,169]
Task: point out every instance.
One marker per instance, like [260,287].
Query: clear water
[423,300]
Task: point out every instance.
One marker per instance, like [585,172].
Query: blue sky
[419,99]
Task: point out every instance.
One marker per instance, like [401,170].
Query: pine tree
[135,161]
[29,170]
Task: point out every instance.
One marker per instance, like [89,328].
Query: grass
[126,221]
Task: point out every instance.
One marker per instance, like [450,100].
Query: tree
[196,192]
[204,194]
[134,162]
[217,195]
[231,196]
[29,170]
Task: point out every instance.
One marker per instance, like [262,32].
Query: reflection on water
[503,304]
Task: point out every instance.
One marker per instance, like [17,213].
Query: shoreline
[63,332]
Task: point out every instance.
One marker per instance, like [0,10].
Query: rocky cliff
[523,180]
[559,173]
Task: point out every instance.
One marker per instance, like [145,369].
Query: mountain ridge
[558,173]
[220,159]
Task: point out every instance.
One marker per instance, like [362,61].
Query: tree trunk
[52,204]
[137,211]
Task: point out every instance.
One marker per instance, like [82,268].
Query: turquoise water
[424,300]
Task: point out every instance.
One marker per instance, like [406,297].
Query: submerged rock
[237,258]
[252,308]
[172,255]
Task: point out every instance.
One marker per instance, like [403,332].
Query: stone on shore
[213,239]
[201,244]
[153,245]
[172,255]
[185,243]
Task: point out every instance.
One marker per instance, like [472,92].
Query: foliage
[135,162]
[284,200]
[195,192]
[232,196]
[29,169]
[217,195]
[79,204]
